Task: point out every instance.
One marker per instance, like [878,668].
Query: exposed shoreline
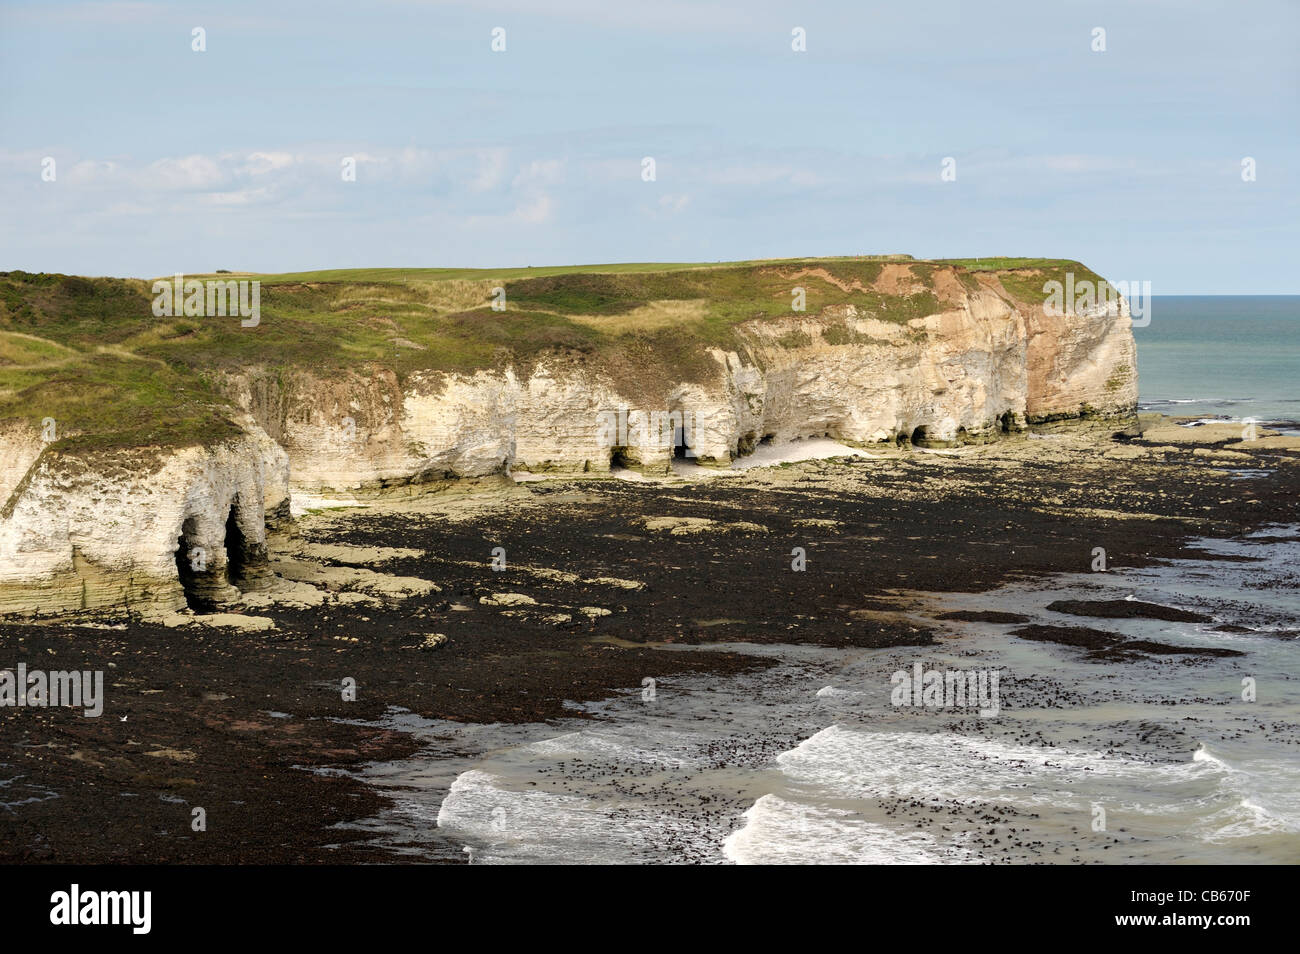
[226,718]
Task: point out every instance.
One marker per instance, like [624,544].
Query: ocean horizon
[1221,356]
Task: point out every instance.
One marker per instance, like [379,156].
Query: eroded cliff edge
[932,354]
[980,364]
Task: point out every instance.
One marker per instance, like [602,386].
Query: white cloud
[261,163]
[535,212]
[671,203]
[756,174]
[187,172]
[492,168]
[1084,163]
[88,171]
[487,188]
[539,172]
[237,197]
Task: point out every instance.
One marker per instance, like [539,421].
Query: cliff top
[91,355]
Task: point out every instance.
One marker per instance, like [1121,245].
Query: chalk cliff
[130,527]
[163,526]
[984,364]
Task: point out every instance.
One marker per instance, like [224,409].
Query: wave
[1266,800]
[856,763]
[841,767]
[1203,754]
[782,831]
[500,823]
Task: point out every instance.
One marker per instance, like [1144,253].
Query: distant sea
[1229,356]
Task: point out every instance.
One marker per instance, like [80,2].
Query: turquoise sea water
[1221,356]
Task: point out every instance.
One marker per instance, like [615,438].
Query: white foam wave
[1202,754]
[504,824]
[1265,798]
[780,831]
[1214,798]
[856,763]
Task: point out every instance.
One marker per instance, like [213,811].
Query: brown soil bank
[596,574]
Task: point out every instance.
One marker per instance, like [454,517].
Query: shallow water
[1158,760]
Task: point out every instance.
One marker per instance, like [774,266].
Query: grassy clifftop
[89,353]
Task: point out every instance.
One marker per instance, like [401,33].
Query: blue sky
[1130,159]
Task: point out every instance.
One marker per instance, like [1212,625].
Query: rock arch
[247,564]
[200,565]
[221,553]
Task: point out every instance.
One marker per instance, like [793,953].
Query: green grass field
[403,275]
[90,353]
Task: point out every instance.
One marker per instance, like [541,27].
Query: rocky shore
[247,714]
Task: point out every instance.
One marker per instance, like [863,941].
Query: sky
[1130,159]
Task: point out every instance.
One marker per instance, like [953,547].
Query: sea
[1219,356]
[822,759]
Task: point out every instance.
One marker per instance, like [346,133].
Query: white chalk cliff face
[107,529]
[981,367]
[190,525]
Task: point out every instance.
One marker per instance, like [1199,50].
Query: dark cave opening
[191,566]
[236,549]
